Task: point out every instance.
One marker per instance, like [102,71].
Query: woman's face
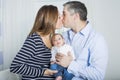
[59,23]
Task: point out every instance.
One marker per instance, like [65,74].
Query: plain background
[17,18]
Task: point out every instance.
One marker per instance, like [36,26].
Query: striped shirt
[32,59]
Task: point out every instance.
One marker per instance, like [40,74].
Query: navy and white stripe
[32,59]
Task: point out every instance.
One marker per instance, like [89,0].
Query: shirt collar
[84,32]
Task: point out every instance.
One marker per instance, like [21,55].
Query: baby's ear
[64,41]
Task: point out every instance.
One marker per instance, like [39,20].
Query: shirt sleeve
[19,64]
[98,56]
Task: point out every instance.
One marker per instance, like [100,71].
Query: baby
[59,46]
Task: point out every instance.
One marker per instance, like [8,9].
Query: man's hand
[64,60]
[49,72]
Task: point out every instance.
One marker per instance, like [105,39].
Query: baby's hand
[52,62]
[49,72]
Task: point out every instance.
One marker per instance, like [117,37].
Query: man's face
[67,18]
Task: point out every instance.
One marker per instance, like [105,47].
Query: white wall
[103,14]
[107,21]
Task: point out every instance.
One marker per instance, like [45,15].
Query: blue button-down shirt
[91,54]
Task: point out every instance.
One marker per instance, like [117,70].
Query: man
[89,46]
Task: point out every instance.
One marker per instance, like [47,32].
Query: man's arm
[98,62]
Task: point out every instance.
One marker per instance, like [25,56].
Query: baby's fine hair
[53,36]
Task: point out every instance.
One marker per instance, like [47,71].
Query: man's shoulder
[95,34]
[98,35]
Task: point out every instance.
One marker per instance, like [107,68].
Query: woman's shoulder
[34,37]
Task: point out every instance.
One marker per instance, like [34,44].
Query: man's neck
[79,26]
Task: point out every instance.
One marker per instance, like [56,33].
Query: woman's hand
[49,72]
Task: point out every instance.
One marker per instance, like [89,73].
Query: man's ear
[76,16]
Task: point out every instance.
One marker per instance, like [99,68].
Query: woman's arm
[20,63]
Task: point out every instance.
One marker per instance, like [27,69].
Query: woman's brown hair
[46,20]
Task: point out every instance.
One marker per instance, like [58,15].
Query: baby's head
[57,40]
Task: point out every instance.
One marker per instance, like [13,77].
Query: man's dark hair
[77,7]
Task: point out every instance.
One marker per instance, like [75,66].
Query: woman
[33,59]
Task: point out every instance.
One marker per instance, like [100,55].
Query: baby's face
[58,41]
